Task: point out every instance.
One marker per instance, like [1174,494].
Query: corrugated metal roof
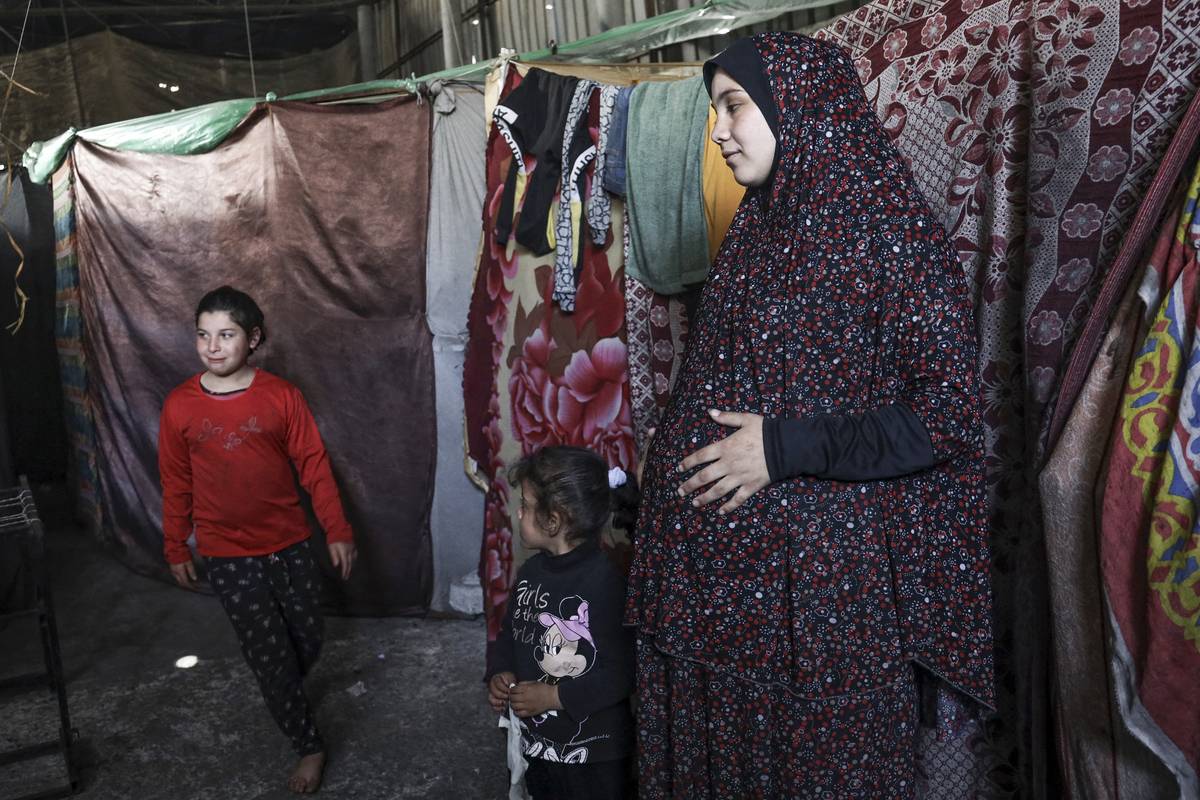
[408,35]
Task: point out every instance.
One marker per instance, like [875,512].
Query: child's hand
[343,554]
[184,574]
[498,689]
[530,698]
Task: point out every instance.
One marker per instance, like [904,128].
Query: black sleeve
[611,679]
[503,657]
[886,442]
[504,217]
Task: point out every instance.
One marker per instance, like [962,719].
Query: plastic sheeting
[104,78]
[455,206]
[68,338]
[714,18]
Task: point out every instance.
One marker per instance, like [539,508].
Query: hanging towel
[531,119]
[665,157]
[599,209]
[577,152]
[614,154]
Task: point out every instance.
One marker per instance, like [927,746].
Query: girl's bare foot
[306,777]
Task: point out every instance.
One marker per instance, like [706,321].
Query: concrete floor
[399,701]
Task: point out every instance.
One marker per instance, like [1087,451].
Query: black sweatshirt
[563,626]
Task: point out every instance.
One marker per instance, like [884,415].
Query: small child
[227,441]
[563,661]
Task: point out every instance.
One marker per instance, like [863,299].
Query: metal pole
[557,31]
[452,44]
[172,10]
[369,63]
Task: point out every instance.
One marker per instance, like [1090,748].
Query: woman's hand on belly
[736,465]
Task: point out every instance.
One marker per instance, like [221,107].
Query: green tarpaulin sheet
[200,129]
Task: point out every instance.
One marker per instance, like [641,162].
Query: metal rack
[19,520]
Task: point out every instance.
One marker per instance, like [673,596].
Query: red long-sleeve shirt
[224,461]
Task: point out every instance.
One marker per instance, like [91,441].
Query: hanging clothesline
[200,129]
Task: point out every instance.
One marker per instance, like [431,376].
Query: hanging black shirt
[531,119]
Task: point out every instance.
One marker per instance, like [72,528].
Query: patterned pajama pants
[272,602]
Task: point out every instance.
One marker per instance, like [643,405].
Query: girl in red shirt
[228,439]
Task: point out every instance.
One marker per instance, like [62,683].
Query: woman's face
[742,132]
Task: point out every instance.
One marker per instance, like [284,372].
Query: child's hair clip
[616,477]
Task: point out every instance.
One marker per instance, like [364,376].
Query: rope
[13,71]
[19,296]
[249,48]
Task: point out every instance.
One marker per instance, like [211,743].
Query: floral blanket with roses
[535,376]
[1034,129]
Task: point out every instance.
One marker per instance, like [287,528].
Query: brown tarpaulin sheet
[319,213]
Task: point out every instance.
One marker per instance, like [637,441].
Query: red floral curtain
[535,376]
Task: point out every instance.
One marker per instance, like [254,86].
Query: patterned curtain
[68,332]
[1105,746]
[535,376]
[657,326]
[1149,551]
[1034,129]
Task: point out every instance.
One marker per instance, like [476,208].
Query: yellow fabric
[576,225]
[722,194]
[519,193]
[552,225]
